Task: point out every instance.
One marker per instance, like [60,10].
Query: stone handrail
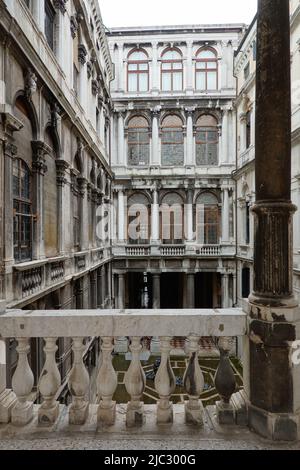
[111,326]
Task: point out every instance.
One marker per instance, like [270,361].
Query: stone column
[189,67]
[61,167]
[120,67]
[190,158]
[93,289]
[103,287]
[82,186]
[156,291]
[60,33]
[155,68]
[121,216]
[273,311]
[190,216]
[225,216]
[39,169]
[121,139]
[155,138]
[224,147]
[121,291]
[99,288]
[155,217]
[190,290]
[225,291]
[10,151]
[38,12]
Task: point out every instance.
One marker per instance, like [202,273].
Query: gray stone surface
[176,436]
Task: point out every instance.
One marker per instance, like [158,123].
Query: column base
[225,413]
[107,416]
[22,413]
[78,416]
[7,401]
[277,427]
[135,415]
[165,415]
[48,416]
[193,416]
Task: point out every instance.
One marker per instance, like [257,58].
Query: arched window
[138,71]
[22,194]
[171,70]
[172,141]
[139,219]
[172,219]
[138,141]
[206,70]
[207,219]
[207,140]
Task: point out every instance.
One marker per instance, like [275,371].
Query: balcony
[21,415]
[180,250]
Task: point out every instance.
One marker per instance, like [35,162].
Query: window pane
[206,55]
[132,67]
[200,81]
[165,66]
[177,65]
[143,82]
[177,81]
[132,82]
[211,80]
[143,66]
[211,65]
[166,81]
[201,65]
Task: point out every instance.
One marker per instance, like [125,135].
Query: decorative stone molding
[82,185]
[55,114]
[82,53]
[39,150]
[60,5]
[89,69]
[74,26]
[61,168]
[30,81]
[10,150]
[95,87]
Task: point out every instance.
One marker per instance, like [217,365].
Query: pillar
[121,291]
[190,160]
[7,397]
[155,68]
[38,12]
[155,217]
[121,216]
[120,67]
[155,139]
[103,286]
[189,67]
[61,167]
[156,291]
[225,291]
[224,155]
[273,311]
[190,216]
[99,288]
[121,139]
[10,151]
[190,290]
[225,216]
[93,289]
[39,169]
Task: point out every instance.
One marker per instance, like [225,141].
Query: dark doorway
[208,290]
[139,290]
[171,290]
[245,283]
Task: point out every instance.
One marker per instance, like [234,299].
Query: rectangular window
[49,23]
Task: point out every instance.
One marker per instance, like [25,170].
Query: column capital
[60,5]
[39,150]
[10,150]
[61,169]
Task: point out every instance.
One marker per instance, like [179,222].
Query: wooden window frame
[49,10]
[138,72]
[207,129]
[171,70]
[206,69]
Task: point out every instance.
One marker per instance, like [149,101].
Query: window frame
[207,225]
[171,71]
[165,129]
[20,215]
[207,129]
[50,12]
[132,130]
[206,70]
[138,72]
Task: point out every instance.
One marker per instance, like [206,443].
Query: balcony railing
[209,250]
[173,250]
[137,250]
[111,325]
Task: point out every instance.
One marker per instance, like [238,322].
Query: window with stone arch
[172,141]
[172,219]
[207,219]
[138,71]
[171,70]
[207,140]
[206,70]
[138,141]
[139,219]
[23,218]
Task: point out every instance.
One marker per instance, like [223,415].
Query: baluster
[194,384]
[225,383]
[135,382]
[22,384]
[78,385]
[165,383]
[107,384]
[49,384]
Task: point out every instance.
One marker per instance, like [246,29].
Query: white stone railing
[110,325]
[209,250]
[137,251]
[173,250]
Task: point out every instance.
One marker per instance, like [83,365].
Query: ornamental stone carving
[30,83]
[60,5]
[82,53]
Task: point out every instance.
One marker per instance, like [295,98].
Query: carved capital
[61,168]
[82,53]
[39,150]
[10,150]
[82,185]
[74,26]
[60,5]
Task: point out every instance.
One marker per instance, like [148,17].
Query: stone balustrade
[137,251]
[210,250]
[110,325]
[173,250]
